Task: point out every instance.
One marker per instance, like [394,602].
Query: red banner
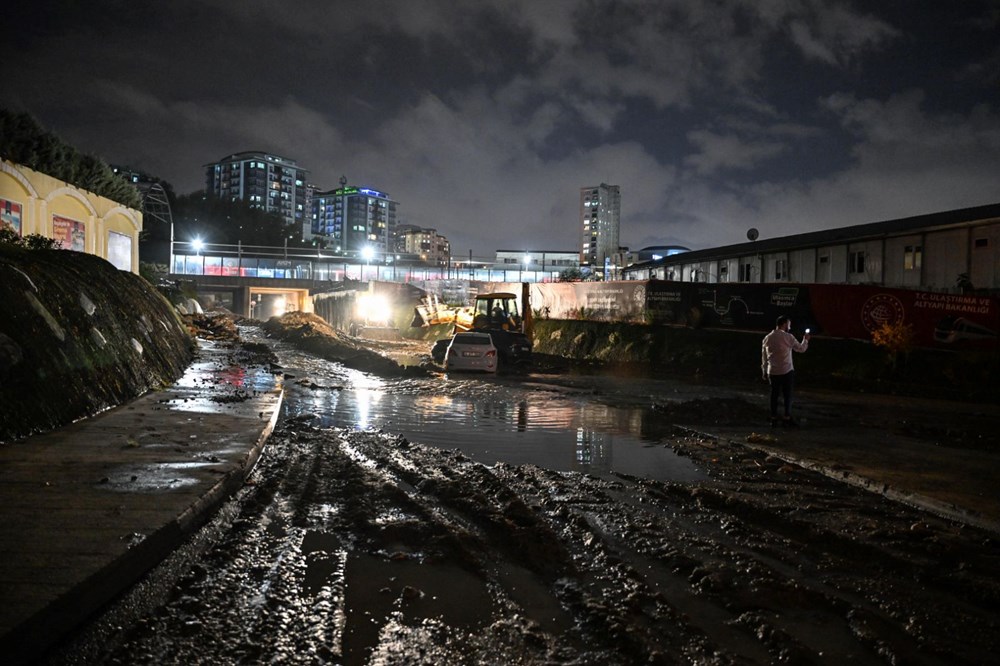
[938,319]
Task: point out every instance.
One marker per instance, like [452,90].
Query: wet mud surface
[357,545]
[361,547]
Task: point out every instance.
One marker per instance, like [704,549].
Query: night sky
[483,118]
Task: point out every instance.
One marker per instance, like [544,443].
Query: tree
[24,141]
[576,275]
[222,221]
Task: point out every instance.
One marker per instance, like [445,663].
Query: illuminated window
[913,257]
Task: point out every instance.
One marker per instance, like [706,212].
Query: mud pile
[212,325]
[78,336]
[312,334]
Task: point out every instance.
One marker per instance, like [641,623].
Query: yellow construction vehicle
[500,315]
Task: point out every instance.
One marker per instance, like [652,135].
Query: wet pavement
[902,448]
[90,508]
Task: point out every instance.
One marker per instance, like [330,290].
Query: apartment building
[276,184]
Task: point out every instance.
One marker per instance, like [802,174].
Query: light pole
[367,252]
[527,260]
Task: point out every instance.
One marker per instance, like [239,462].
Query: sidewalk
[88,509]
[863,440]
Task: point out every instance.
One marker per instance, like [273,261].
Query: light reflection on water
[489,419]
[553,432]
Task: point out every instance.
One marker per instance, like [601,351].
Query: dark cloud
[484,118]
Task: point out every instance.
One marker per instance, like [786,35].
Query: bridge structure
[261,282]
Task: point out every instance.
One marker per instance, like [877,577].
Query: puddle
[414,590]
[491,419]
[154,478]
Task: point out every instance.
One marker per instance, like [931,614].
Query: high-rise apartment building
[276,184]
[600,213]
[351,219]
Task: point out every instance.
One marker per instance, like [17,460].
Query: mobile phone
[807,330]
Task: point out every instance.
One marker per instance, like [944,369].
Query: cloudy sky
[483,118]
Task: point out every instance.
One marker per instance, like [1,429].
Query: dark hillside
[78,336]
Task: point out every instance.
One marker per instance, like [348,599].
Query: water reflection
[592,449]
[367,402]
[564,434]
[490,420]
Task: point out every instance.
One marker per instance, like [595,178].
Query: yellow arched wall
[41,204]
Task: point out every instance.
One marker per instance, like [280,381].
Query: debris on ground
[212,325]
[311,333]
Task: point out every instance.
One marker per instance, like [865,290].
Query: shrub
[30,242]
[895,338]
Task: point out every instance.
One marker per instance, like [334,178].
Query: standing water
[488,418]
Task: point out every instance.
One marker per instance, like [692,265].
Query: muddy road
[365,538]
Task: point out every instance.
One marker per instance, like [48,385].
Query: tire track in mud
[779,564]
[361,547]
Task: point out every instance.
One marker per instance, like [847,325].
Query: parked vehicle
[499,315]
[471,351]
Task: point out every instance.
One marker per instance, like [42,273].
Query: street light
[527,260]
[197,243]
[367,253]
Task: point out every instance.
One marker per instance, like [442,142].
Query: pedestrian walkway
[869,441]
[89,508]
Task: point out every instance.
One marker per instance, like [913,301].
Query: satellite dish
[752,234]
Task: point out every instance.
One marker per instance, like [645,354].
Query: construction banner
[943,320]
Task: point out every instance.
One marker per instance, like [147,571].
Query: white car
[471,351]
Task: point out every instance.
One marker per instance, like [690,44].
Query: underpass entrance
[264,303]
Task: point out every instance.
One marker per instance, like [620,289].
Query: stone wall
[78,336]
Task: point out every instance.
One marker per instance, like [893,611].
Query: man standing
[776,366]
